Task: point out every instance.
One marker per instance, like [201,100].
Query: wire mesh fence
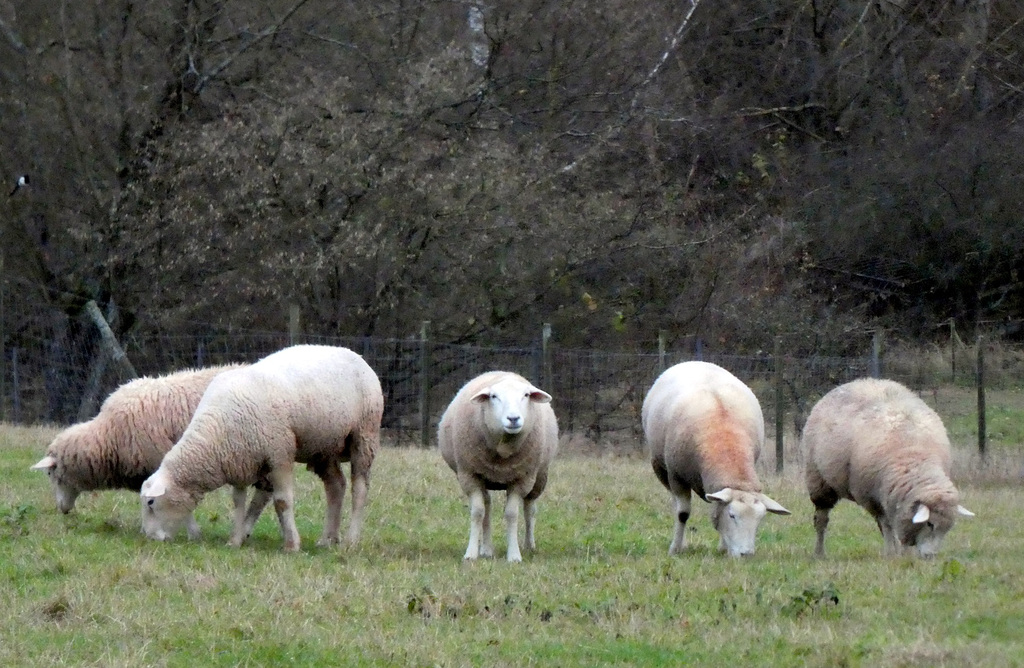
[58,379]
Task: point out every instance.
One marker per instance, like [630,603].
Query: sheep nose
[513,420]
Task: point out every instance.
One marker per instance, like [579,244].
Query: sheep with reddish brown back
[315,405]
[879,445]
[704,430]
[126,441]
[499,433]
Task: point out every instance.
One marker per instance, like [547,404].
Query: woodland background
[721,170]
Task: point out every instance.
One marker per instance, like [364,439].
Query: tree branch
[260,36]
[613,129]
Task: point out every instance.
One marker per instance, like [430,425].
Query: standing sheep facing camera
[878,444]
[499,433]
[126,441]
[315,405]
[705,430]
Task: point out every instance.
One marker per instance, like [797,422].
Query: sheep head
[736,515]
[165,507]
[508,402]
[929,526]
[65,492]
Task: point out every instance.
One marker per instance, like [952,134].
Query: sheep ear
[963,511]
[773,506]
[922,514]
[481,396]
[154,487]
[47,462]
[722,496]
[539,396]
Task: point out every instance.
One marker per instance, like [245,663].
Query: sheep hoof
[328,541]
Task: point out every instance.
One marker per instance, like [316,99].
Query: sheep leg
[530,516]
[892,546]
[192,527]
[476,521]
[363,446]
[487,539]
[244,524]
[682,497]
[283,481]
[260,499]
[824,499]
[512,503]
[334,488]
[820,526]
[360,486]
[238,499]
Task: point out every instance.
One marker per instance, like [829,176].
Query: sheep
[878,444]
[125,442]
[704,430]
[499,433]
[315,405]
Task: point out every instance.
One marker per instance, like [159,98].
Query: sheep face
[507,405]
[165,507]
[736,515]
[929,526]
[65,492]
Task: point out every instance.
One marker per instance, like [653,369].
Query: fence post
[982,436]
[15,388]
[424,384]
[294,315]
[780,398]
[876,354]
[952,350]
[3,348]
[661,351]
[545,352]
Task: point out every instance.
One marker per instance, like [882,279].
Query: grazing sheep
[704,429]
[499,433]
[316,405]
[126,441]
[878,444]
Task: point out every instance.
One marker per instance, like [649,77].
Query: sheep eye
[150,502]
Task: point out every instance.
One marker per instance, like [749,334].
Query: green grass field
[88,590]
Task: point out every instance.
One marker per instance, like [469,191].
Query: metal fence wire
[59,379]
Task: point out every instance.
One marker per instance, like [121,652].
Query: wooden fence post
[15,386]
[876,354]
[545,352]
[952,350]
[294,325]
[424,384]
[780,398]
[661,351]
[3,348]
[982,436]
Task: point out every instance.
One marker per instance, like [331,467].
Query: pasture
[88,589]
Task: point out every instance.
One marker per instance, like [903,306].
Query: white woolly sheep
[126,441]
[499,433]
[878,444]
[704,429]
[315,405]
